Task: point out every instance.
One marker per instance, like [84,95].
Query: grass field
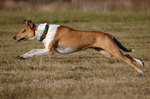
[81,75]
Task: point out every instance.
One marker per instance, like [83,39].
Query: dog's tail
[120,45]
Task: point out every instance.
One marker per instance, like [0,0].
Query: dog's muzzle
[19,40]
[22,39]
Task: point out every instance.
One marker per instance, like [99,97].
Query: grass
[85,74]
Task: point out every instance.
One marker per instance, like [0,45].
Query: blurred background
[82,5]
[67,11]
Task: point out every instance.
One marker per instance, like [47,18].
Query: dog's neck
[39,31]
[50,33]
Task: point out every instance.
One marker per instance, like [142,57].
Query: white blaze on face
[65,51]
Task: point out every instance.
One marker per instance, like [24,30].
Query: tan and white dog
[65,40]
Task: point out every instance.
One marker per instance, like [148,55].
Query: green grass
[85,74]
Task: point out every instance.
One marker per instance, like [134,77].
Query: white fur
[139,61]
[140,71]
[132,50]
[64,51]
[50,35]
[106,53]
[35,52]
[48,39]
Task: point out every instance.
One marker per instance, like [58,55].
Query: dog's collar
[44,33]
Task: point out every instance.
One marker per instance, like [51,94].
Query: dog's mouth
[22,39]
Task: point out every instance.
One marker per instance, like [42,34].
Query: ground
[81,75]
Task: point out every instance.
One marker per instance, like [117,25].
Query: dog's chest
[50,35]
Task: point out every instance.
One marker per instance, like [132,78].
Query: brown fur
[78,40]
[28,31]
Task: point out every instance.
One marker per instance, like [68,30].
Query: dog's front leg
[35,52]
[51,48]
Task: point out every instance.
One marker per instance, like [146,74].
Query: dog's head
[27,32]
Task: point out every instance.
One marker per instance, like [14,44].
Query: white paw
[142,63]
[23,56]
[139,61]
[140,71]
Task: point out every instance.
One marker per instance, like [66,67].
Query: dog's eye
[24,31]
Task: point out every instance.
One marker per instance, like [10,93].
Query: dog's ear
[26,22]
[30,24]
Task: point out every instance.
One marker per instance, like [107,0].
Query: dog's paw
[142,62]
[140,71]
[19,57]
[23,56]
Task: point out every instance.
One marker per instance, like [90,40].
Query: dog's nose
[14,37]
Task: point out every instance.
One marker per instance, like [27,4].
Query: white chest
[50,35]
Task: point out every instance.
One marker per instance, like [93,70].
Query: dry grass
[85,74]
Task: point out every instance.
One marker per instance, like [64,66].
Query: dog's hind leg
[113,49]
[130,62]
[105,53]
[136,60]
[108,55]
[119,55]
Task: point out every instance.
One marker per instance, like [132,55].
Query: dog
[64,40]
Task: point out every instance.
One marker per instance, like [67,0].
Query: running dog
[63,39]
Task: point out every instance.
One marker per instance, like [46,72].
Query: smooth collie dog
[62,39]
